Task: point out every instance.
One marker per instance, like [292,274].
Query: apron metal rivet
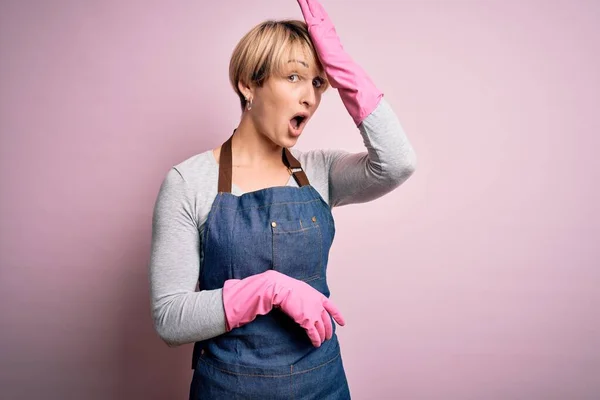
[273,224]
[314,219]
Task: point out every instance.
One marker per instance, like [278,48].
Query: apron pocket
[298,248]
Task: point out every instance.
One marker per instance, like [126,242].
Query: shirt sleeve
[180,313]
[388,161]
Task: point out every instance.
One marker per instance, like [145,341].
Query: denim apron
[288,229]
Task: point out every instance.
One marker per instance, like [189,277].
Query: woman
[255,240]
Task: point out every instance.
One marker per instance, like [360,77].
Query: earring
[249,104]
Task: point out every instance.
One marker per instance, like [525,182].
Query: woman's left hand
[358,93]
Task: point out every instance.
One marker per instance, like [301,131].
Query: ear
[247,91]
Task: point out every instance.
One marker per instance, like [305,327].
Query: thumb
[334,311]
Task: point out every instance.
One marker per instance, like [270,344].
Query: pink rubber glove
[244,299]
[358,93]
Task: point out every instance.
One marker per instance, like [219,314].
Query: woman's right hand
[256,295]
[307,306]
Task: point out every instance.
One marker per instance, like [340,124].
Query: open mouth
[299,121]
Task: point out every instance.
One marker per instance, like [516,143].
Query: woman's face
[281,98]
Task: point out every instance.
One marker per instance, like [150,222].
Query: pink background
[477,279]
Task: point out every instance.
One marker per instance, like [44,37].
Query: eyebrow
[299,62]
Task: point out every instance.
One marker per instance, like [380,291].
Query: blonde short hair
[262,53]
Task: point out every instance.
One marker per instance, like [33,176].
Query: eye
[296,75]
[320,82]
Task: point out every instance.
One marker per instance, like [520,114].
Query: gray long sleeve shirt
[182,313]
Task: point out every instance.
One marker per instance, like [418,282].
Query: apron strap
[225,169]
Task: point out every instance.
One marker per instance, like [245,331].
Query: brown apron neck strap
[294,167]
[225,167]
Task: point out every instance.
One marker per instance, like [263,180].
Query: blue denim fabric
[290,230]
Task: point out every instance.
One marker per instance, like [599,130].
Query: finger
[317,10]
[313,335]
[320,329]
[312,11]
[328,325]
[314,7]
[305,10]
[335,313]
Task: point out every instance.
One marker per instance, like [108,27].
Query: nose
[309,96]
